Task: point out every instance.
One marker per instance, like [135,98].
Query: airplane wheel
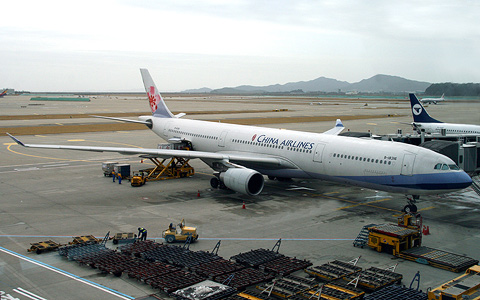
[410,208]
[214,182]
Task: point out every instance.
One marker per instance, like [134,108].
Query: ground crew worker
[119,179]
[142,234]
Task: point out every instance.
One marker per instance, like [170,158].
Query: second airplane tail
[419,113]
[157,105]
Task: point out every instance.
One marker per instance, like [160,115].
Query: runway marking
[27,169]
[79,140]
[9,144]
[38,135]
[28,294]
[371,123]
[426,208]
[56,165]
[365,203]
[59,124]
[67,274]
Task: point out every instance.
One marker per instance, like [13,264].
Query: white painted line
[69,275]
[56,165]
[300,188]
[27,169]
[28,294]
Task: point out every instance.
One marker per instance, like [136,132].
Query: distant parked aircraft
[433,100]
[3,93]
[422,122]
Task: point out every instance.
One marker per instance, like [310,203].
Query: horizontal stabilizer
[337,129]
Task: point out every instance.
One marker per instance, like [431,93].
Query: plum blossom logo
[253,138]
[152,99]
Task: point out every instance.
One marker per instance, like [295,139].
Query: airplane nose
[461,180]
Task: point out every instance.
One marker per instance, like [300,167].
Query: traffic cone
[426,230]
[141,161]
[243,206]
[198,193]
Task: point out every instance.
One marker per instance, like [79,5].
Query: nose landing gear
[411,207]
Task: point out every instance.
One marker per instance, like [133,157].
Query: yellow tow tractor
[180,233]
[138,180]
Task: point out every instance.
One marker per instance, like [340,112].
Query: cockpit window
[454,167]
[440,166]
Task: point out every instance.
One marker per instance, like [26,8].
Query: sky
[80,46]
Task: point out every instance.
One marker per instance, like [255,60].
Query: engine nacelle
[245,181]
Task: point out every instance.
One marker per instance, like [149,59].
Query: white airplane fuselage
[384,165]
[450,128]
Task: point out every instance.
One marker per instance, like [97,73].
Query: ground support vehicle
[107,168]
[124,237]
[438,258]
[175,167]
[43,246]
[466,286]
[138,180]
[404,240]
[180,233]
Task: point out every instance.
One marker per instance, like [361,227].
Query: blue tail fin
[419,113]
[157,105]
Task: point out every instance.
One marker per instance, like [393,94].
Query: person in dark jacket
[142,234]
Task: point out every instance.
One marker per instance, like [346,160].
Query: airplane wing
[272,161]
[337,129]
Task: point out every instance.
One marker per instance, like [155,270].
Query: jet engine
[245,181]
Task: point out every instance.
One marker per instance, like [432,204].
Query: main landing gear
[411,207]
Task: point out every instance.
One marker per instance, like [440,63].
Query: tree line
[453,89]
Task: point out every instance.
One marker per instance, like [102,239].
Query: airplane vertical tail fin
[157,105]
[420,115]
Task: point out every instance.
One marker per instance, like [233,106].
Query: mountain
[387,83]
[377,83]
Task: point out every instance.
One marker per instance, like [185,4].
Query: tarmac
[55,195]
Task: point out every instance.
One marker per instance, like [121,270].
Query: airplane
[433,100]
[3,93]
[241,155]
[422,122]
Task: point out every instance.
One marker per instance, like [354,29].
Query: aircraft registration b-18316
[433,100]
[240,155]
[422,122]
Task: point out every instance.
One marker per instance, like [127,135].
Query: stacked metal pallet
[255,258]
[216,268]
[78,251]
[439,258]
[139,247]
[328,292]
[285,265]
[147,270]
[244,278]
[170,282]
[288,286]
[373,278]
[333,270]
